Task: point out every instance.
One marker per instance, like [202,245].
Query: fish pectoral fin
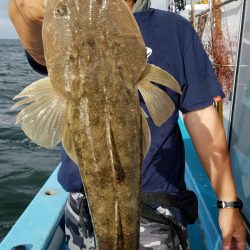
[146,133]
[159,104]
[153,73]
[43,118]
[68,144]
[22,102]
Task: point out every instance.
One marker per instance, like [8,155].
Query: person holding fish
[116,83]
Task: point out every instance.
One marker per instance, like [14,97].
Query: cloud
[7,30]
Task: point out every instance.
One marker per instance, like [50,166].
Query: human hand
[233,229]
[27,17]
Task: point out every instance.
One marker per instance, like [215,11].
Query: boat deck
[41,219]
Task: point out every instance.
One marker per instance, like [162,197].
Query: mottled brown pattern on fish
[101,182]
[95,55]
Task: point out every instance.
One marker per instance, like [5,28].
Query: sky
[6,28]
[7,31]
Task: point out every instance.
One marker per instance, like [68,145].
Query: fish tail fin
[158,102]
[43,118]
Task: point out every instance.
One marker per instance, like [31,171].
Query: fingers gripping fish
[97,65]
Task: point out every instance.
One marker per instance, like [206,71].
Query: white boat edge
[38,227]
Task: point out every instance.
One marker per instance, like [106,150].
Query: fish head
[84,39]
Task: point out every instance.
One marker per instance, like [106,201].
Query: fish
[90,102]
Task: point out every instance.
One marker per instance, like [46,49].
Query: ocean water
[24,166]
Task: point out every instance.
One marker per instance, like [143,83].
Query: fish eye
[61,10]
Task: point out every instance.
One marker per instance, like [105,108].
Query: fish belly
[108,141]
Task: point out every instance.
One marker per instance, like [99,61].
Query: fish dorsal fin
[68,143]
[158,102]
[146,133]
[43,118]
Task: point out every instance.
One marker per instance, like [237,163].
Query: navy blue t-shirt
[173,45]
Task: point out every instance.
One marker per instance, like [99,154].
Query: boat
[41,225]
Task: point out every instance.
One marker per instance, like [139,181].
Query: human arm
[208,136]
[27,17]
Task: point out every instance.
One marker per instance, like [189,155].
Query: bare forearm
[27,17]
[208,136]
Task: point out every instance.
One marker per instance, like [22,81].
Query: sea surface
[24,166]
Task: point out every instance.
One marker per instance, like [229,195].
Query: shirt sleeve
[35,65]
[201,84]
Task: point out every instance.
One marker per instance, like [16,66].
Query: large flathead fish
[96,61]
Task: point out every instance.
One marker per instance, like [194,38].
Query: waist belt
[163,199]
[160,199]
[151,214]
[186,201]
